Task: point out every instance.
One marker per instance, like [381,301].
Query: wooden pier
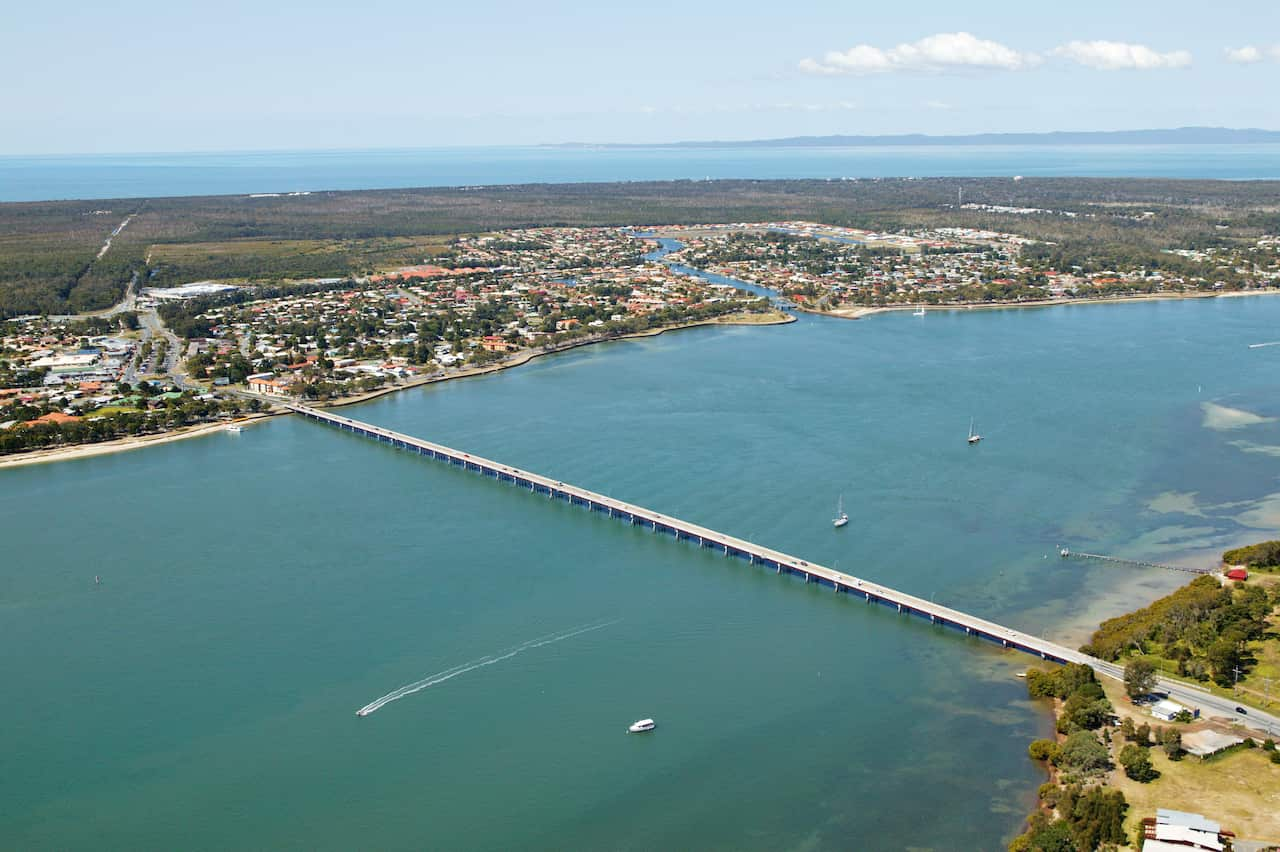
[1137,563]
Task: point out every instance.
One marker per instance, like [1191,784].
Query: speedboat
[642,726]
[233,428]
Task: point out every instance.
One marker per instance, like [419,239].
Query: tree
[1127,729]
[1171,740]
[1139,677]
[1083,710]
[1083,753]
[1136,761]
[1224,658]
[1098,818]
[1044,750]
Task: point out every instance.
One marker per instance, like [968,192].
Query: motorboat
[642,726]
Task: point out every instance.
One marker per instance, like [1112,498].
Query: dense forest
[49,264]
[1201,630]
[1263,555]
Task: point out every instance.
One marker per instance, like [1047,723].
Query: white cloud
[1247,55]
[940,52]
[1118,55]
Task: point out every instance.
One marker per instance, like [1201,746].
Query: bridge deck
[782,563]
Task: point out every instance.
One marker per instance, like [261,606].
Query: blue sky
[140,75]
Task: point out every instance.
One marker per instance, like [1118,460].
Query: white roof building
[1166,709]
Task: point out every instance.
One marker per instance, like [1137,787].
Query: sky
[147,76]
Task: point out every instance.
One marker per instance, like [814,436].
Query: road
[1201,699]
[153,328]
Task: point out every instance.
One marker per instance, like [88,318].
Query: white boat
[642,726]
[233,429]
[919,312]
[974,437]
[842,517]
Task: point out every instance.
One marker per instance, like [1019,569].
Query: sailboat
[918,312]
[842,517]
[974,437]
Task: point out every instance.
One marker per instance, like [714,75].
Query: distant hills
[1174,136]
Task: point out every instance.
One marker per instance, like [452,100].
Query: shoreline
[119,445]
[854,313]
[530,354]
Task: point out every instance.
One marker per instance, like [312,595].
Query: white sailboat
[974,437]
[918,312]
[842,517]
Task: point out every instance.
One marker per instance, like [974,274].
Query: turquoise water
[32,178]
[258,589]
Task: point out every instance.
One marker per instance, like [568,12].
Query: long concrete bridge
[773,560]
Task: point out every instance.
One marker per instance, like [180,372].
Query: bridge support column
[899,607]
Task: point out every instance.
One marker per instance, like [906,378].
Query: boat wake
[449,674]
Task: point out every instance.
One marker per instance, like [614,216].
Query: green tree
[1224,657]
[1171,741]
[1083,753]
[1044,750]
[1139,677]
[1136,761]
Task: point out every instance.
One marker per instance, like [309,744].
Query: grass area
[1240,789]
[112,409]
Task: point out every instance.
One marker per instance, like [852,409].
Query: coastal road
[1201,699]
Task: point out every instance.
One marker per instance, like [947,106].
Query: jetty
[1065,553]
[769,559]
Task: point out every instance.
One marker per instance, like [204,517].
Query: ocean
[34,178]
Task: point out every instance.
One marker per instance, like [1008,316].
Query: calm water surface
[32,178]
[259,589]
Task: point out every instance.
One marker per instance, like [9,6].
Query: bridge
[768,558]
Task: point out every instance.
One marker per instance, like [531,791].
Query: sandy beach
[858,312]
[120,445]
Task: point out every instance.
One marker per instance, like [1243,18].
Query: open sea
[258,589]
[33,178]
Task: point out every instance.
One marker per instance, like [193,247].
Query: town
[210,351]
[830,269]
